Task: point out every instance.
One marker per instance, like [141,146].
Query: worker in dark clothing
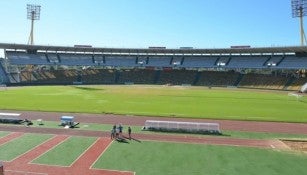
[129,132]
[120,129]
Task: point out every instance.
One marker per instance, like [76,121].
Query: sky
[148,23]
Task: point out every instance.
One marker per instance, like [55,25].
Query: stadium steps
[47,57]
[36,76]
[217,61]
[59,58]
[93,59]
[157,76]
[228,61]
[289,82]
[239,79]
[197,77]
[171,61]
[277,64]
[266,62]
[13,79]
[182,60]
[147,60]
[117,75]
[3,75]
[136,60]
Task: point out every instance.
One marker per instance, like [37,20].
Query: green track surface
[3,133]
[19,146]
[159,101]
[67,152]
[152,158]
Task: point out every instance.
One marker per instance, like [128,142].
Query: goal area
[186,127]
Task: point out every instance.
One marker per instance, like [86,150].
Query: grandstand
[267,68]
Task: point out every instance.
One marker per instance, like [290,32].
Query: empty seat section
[247,61]
[297,83]
[159,61]
[177,77]
[293,62]
[76,59]
[125,61]
[176,61]
[53,58]
[99,76]
[215,78]
[141,61]
[48,77]
[266,81]
[273,61]
[196,62]
[99,60]
[22,58]
[137,76]
[3,76]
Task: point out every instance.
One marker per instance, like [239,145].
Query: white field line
[60,166]
[132,172]
[25,172]
[30,149]
[91,167]
[48,151]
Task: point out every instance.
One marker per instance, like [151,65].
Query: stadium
[281,68]
[237,110]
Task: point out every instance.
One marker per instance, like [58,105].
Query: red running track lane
[234,125]
[10,137]
[90,157]
[22,165]
[155,137]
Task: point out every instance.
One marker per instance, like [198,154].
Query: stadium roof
[158,50]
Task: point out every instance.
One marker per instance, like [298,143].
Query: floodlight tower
[299,9]
[33,13]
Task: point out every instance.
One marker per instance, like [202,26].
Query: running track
[83,164]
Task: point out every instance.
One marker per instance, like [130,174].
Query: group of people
[117,132]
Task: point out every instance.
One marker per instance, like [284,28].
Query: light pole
[33,13]
[299,9]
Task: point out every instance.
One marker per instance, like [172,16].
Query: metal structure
[177,126]
[33,13]
[140,51]
[299,9]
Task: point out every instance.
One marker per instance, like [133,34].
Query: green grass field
[158,157]
[153,158]
[3,133]
[193,102]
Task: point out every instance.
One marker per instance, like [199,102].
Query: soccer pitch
[195,102]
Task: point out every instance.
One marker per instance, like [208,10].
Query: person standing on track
[113,131]
[120,128]
[129,132]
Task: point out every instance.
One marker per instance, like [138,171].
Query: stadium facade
[266,67]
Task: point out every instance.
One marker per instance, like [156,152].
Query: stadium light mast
[33,13]
[299,9]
